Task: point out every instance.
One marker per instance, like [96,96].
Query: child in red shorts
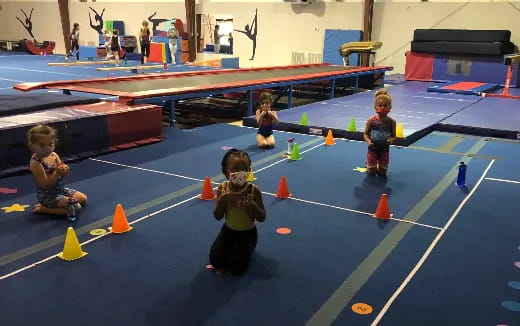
[379,134]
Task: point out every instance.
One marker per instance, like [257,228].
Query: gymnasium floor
[449,256]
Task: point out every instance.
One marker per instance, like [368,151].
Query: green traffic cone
[303,121]
[295,155]
[352,125]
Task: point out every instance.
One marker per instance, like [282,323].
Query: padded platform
[22,103]
[473,88]
[461,35]
[477,48]
[413,106]
[84,130]
[490,117]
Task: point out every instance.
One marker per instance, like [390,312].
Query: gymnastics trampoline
[168,87]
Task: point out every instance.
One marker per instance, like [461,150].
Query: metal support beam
[332,88]
[250,103]
[289,97]
[170,106]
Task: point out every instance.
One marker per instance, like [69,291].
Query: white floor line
[322,204]
[95,238]
[286,159]
[503,180]
[415,223]
[353,211]
[430,248]
[47,72]
[147,170]
[14,80]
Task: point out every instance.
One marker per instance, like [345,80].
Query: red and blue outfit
[265,126]
[379,132]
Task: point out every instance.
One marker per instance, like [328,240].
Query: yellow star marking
[362,170]
[15,208]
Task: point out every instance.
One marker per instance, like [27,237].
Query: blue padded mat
[334,38]
[23,103]
[492,116]
[412,106]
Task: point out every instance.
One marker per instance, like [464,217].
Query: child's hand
[251,208]
[63,169]
[224,199]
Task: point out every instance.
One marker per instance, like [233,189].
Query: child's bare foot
[37,208]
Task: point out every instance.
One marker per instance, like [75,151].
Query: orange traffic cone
[207,190]
[329,140]
[383,210]
[283,190]
[120,223]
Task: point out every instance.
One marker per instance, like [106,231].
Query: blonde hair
[265,97]
[382,97]
[36,133]
[145,23]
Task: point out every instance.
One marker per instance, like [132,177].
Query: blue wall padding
[120,26]
[334,38]
[230,63]
[484,69]
[88,51]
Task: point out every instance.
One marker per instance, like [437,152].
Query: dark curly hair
[235,153]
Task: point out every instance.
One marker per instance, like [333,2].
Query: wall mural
[155,22]
[251,32]
[27,23]
[98,19]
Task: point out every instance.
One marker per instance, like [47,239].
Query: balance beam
[359,47]
[81,63]
[511,59]
[369,47]
[131,67]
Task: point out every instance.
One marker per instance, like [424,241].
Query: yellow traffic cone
[399,131]
[72,249]
[251,177]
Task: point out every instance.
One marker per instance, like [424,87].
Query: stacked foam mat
[86,126]
[462,41]
[459,55]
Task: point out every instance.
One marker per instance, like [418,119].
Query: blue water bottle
[461,178]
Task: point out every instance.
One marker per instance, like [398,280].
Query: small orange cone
[283,190]
[383,210]
[120,223]
[329,140]
[207,190]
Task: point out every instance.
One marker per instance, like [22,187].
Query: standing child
[241,204]
[379,134]
[108,38]
[173,36]
[48,171]
[265,117]
[114,45]
[144,37]
[74,41]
